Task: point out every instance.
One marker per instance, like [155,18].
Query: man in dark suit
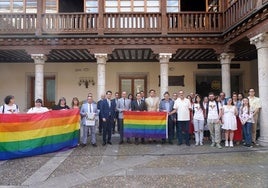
[166,105]
[107,112]
[138,105]
[116,119]
[99,107]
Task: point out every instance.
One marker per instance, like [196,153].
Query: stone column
[101,61]
[164,60]
[225,60]
[261,43]
[39,61]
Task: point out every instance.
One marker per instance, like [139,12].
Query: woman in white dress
[229,122]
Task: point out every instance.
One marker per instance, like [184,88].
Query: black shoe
[136,143]
[83,145]
[121,142]
[170,142]
[104,143]
[129,142]
[109,143]
[113,132]
[94,145]
[179,144]
[188,144]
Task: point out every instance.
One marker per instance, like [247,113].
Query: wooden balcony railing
[194,22]
[132,23]
[70,23]
[127,23]
[237,11]
[17,23]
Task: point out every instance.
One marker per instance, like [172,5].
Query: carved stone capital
[260,41]
[101,58]
[225,58]
[39,58]
[164,57]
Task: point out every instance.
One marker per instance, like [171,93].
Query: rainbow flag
[145,124]
[23,135]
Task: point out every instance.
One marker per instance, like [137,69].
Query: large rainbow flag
[23,135]
[145,124]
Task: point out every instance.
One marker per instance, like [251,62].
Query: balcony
[128,23]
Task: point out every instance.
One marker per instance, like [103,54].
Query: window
[213,5]
[91,6]
[51,6]
[173,6]
[18,6]
[132,6]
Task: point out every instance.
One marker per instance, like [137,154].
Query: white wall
[13,77]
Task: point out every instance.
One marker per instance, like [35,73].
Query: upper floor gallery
[106,17]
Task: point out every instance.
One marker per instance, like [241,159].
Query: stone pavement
[149,165]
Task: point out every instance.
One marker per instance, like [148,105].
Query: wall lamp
[86,81]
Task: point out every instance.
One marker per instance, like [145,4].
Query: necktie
[90,108]
[139,103]
[109,102]
[124,102]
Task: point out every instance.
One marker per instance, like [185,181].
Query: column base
[263,141]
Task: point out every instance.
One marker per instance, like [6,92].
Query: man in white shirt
[255,103]
[182,106]
[214,113]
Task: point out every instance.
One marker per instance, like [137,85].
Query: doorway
[212,83]
[193,5]
[71,6]
[133,84]
[49,91]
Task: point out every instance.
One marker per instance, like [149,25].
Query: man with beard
[213,114]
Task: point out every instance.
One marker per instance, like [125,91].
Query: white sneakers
[227,144]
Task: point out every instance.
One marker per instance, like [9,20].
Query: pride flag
[23,135]
[145,124]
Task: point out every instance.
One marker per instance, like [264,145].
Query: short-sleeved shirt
[254,102]
[183,109]
[212,110]
[198,112]
[9,109]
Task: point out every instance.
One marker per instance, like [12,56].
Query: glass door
[133,84]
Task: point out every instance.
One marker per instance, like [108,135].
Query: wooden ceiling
[243,52]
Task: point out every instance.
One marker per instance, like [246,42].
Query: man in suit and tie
[115,99]
[100,119]
[138,105]
[123,104]
[107,113]
[166,105]
[89,112]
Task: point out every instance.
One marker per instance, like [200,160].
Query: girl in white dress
[229,122]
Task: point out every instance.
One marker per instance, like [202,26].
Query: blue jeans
[247,127]
[182,128]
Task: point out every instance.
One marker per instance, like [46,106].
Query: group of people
[235,117]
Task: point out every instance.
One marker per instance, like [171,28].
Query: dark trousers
[170,129]
[107,129]
[116,120]
[182,128]
[100,125]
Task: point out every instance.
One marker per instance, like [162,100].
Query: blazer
[136,107]
[123,105]
[106,111]
[162,106]
[85,109]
